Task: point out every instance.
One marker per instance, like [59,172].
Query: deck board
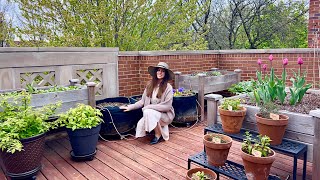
[136,159]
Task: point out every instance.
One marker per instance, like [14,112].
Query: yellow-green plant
[81,117]
[233,104]
[261,144]
[18,120]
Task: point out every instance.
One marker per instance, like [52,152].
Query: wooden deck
[136,159]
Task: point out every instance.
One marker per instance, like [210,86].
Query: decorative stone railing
[55,66]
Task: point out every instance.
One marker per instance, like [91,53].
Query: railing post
[176,79]
[316,144]
[201,94]
[212,108]
[91,93]
[238,71]
[74,82]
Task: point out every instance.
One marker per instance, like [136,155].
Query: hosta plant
[18,120]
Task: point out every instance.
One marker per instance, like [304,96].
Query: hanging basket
[115,119]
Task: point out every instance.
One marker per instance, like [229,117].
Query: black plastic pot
[26,163]
[114,116]
[84,141]
[185,108]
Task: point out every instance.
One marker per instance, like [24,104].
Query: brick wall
[132,79]
[133,74]
[314,24]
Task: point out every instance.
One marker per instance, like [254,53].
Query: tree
[127,24]
[5,24]
[258,24]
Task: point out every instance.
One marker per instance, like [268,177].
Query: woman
[156,101]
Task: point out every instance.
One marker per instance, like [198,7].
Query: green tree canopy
[127,24]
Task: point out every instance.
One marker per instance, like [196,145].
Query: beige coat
[164,106]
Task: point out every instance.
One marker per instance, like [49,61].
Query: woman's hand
[125,108]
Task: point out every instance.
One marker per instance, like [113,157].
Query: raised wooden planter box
[203,84]
[69,98]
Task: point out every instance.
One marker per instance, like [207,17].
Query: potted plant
[271,123]
[184,115]
[83,124]
[258,158]
[232,115]
[217,148]
[22,135]
[201,174]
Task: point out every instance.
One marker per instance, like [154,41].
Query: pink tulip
[285,61]
[264,67]
[259,62]
[270,57]
[300,61]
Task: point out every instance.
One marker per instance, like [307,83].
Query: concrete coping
[315,113]
[213,97]
[74,81]
[178,72]
[214,69]
[201,75]
[237,70]
[90,84]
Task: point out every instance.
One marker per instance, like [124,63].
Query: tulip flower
[300,62]
[259,63]
[285,61]
[271,59]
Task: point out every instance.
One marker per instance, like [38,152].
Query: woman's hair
[154,82]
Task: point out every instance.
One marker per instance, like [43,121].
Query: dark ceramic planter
[185,109]
[26,163]
[84,141]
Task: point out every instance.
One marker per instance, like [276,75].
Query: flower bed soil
[309,102]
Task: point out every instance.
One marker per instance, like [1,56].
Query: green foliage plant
[33,90]
[267,108]
[18,120]
[81,117]
[262,144]
[231,103]
[200,175]
[243,87]
[299,88]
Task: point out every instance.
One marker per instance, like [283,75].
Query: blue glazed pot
[84,141]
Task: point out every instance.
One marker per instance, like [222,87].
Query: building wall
[133,74]
[314,24]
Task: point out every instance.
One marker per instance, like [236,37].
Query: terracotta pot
[232,120]
[275,129]
[217,153]
[209,172]
[257,168]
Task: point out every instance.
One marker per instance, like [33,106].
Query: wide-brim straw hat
[153,69]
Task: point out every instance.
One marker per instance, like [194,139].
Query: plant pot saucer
[30,175]
[88,157]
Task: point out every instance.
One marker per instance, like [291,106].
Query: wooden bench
[302,129]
